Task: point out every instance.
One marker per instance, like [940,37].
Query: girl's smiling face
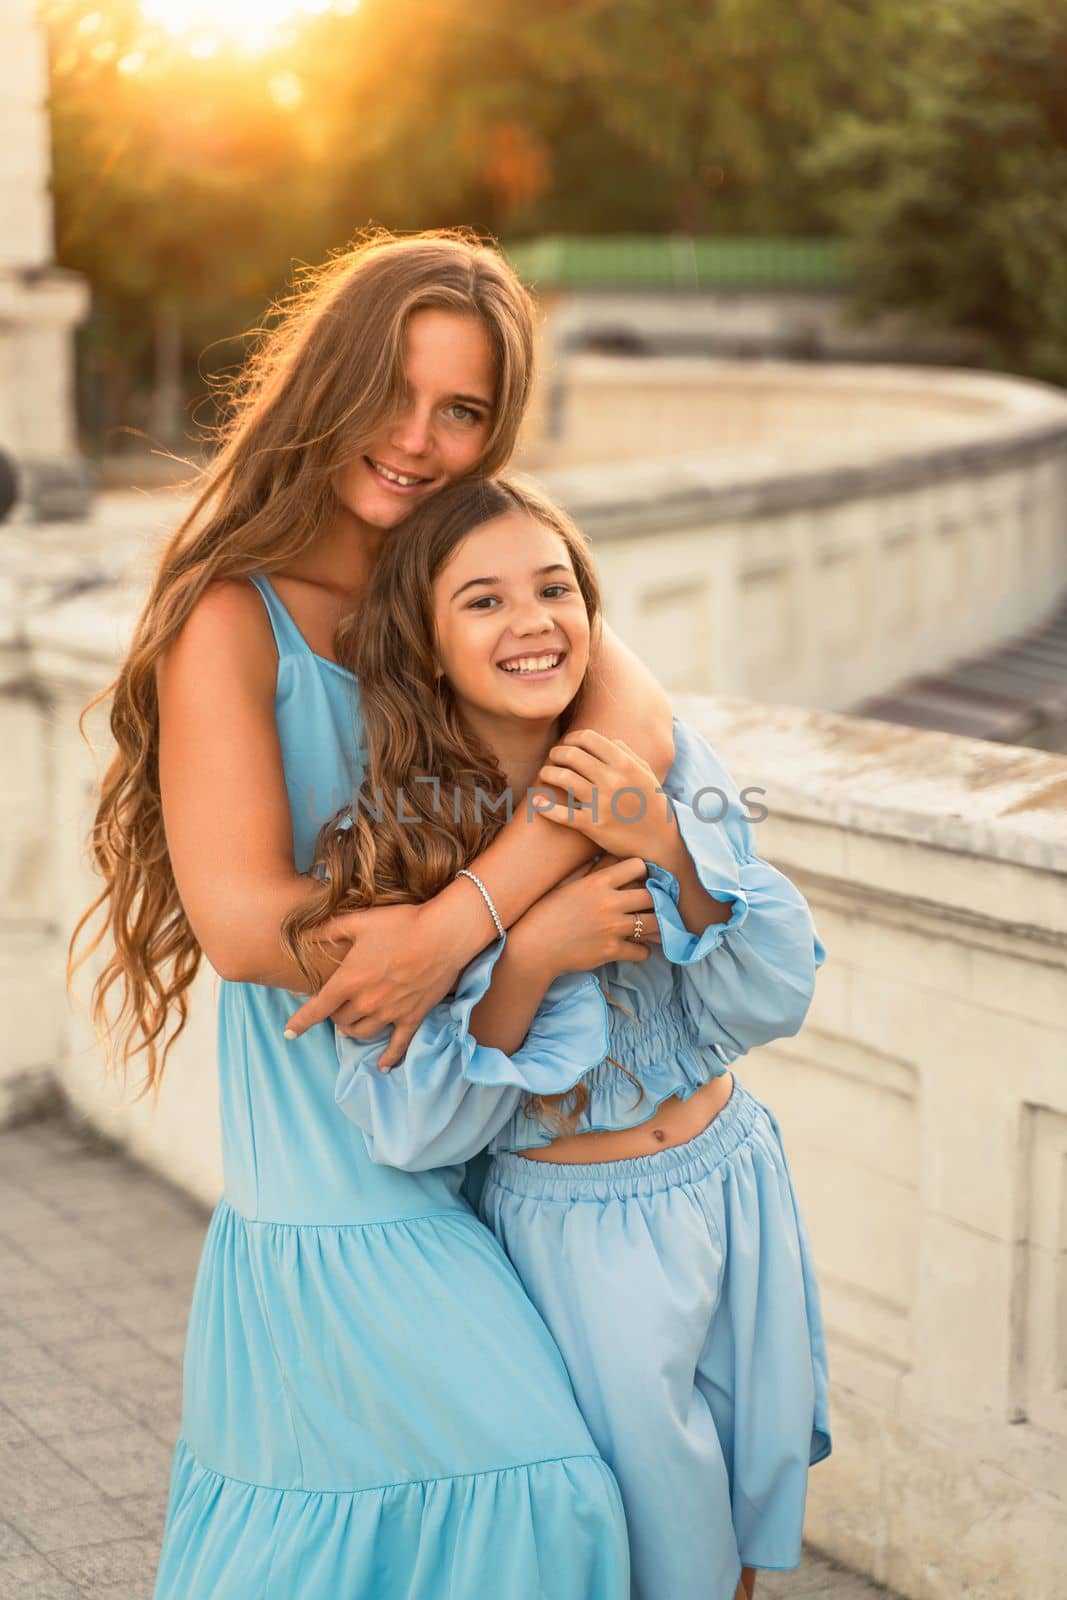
[512,629]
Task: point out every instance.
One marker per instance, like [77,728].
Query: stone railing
[833,531]
[924,1106]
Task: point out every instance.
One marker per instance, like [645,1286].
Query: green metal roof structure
[649,261]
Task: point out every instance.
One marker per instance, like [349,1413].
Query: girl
[642,1192]
[354,1420]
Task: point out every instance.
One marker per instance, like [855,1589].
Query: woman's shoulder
[227,636]
[229,603]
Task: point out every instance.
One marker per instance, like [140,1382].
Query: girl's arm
[462,1077]
[526,859]
[576,928]
[739,933]
[450,1094]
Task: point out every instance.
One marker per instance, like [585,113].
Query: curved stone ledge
[621,499]
[856,526]
[987,801]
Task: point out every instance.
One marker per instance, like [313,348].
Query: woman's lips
[390,483]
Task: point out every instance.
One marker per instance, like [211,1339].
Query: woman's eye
[555,590]
[462,413]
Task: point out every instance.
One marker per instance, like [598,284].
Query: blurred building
[39,303]
[646,295]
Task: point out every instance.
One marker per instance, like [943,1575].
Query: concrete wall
[756,417]
[924,1107]
[791,323]
[25,204]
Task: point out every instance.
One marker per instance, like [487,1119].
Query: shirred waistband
[664,1169]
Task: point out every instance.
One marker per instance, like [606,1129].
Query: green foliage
[955,199]
[929,133]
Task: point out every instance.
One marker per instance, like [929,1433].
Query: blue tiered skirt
[374,1411]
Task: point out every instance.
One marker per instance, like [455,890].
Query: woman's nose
[411,432]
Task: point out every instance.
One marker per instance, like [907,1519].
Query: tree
[720,96]
[955,200]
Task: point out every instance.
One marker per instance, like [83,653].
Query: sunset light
[203,27]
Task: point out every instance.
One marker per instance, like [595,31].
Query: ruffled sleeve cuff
[450,1096]
[719,872]
[568,1035]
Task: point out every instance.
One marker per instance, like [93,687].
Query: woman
[371,1404]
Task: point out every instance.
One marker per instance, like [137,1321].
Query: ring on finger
[639,927]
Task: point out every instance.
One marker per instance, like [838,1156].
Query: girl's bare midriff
[675,1122]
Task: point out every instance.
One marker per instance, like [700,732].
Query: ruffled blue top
[700,1000]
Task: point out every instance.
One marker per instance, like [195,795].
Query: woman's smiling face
[511,624]
[443,430]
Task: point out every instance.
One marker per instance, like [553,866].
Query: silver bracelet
[480,886]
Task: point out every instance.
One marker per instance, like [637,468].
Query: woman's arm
[225,806]
[622,698]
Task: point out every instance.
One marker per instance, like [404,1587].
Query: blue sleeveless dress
[373,1409]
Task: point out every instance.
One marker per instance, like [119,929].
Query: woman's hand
[587,920]
[621,806]
[397,969]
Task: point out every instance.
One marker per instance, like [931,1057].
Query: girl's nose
[533,617]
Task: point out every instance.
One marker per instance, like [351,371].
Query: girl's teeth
[538,664]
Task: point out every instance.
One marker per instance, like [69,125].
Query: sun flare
[204,27]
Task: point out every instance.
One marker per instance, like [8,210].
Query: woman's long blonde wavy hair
[320,381]
[419,758]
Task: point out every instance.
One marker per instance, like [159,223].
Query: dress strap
[287,635]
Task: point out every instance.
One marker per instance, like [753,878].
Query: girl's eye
[555,590]
[482,602]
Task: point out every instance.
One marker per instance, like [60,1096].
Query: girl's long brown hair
[419,759]
[313,394]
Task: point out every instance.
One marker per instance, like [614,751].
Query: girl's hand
[397,969]
[621,806]
[587,920]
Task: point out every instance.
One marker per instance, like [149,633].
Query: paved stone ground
[97,1259]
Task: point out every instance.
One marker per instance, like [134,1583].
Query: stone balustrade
[832,530]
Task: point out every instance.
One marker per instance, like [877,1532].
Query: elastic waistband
[603,1180]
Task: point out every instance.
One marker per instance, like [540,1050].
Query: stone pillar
[39,303]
